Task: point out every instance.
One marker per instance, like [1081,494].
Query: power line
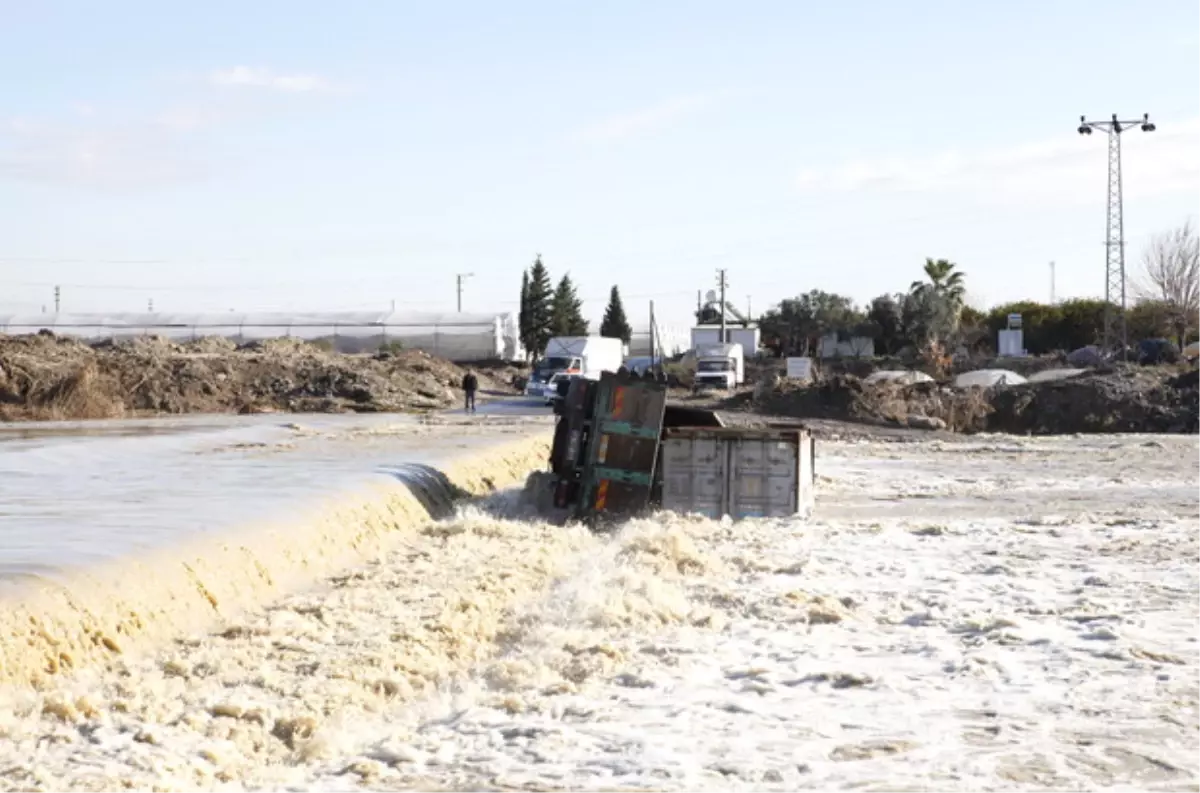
[1114,259]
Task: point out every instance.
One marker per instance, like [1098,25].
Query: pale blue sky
[303,155]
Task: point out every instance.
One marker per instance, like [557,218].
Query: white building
[830,346]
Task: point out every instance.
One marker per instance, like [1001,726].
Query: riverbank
[47,377]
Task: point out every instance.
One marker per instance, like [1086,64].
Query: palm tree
[945,281]
[940,298]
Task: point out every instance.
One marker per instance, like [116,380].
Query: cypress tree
[567,311]
[539,308]
[523,316]
[615,324]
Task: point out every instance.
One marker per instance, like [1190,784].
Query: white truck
[719,366]
[573,356]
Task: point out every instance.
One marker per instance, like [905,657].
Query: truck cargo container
[738,472]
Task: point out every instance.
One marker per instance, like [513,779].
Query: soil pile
[53,377]
[846,397]
[1121,399]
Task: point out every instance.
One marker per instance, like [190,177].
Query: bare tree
[1171,264]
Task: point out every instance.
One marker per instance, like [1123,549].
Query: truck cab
[544,378]
[569,357]
[719,366]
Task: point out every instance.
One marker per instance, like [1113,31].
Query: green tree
[795,325]
[1041,325]
[945,280]
[1155,319]
[973,329]
[931,309]
[972,315]
[926,316]
[886,321]
[539,309]
[566,315]
[523,315]
[1062,327]
[1082,323]
[615,325]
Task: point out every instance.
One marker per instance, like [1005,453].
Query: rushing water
[999,613]
[72,494]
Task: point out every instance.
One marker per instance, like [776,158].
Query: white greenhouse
[988,378]
[453,336]
[1054,375]
[670,341]
[901,377]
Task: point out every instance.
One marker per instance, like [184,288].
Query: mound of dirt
[1120,400]
[846,397]
[1124,399]
[53,377]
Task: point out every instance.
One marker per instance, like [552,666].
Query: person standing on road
[470,384]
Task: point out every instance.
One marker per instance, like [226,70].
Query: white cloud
[1068,167]
[249,77]
[188,117]
[647,119]
[89,148]
[128,154]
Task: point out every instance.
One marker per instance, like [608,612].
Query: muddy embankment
[1120,399]
[47,377]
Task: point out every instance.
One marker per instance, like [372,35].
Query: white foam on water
[1006,633]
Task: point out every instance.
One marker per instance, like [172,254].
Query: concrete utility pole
[722,282]
[652,335]
[1051,283]
[57,298]
[460,278]
[1114,260]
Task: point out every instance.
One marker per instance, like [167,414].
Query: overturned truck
[621,450]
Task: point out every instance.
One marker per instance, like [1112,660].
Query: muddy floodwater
[76,493]
[992,613]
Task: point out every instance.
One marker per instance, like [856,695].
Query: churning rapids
[995,613]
